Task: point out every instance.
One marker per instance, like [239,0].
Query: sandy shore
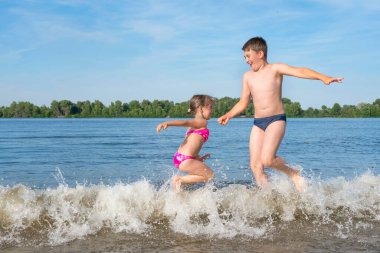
[290,239]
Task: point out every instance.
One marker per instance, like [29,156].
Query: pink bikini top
[204,132]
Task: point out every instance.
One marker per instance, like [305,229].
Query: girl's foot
[176,183]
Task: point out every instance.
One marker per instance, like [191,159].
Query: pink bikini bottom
[179,158]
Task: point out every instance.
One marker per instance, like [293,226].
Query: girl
[187,158]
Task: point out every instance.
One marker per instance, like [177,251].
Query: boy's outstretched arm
[239,106]
[307,73]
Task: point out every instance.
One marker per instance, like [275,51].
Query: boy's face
[254,59]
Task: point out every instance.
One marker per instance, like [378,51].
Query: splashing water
[57,215]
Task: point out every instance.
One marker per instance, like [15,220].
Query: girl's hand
[330,80]
[202,158]
[161,126]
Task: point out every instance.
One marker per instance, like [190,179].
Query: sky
[172,49]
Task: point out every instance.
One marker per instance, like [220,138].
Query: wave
[54,216]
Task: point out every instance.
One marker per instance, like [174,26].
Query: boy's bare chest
[263,81]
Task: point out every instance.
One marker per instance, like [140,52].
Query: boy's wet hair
[199,101]
[257,44]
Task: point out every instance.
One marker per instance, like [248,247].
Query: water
[102,185]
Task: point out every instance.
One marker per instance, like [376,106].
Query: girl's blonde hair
[199,101]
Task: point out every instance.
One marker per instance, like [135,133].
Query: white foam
[66,213]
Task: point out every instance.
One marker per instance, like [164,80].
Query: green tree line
[165,108]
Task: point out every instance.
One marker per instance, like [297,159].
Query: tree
[105,112]
[46,112]
[22,109]
[179,110]
[286,101]
[65,107]
[146,107]
[365,110]
[116,109]
[164,108]
[349,111]
[375,108]
[54,106]
[310,113]
[125,108]
[97,108]
[6,112]
[85,109]
[336,110]
[293,109]
[134,105]
[325,111]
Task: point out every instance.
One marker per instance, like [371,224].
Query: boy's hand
[330,80]
[223,120]
[161,126]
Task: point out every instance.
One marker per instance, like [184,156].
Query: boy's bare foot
[299,181]
[176,183]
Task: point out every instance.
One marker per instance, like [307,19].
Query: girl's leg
[197,172]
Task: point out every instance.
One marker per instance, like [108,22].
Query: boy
[264,83]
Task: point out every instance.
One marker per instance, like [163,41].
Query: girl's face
[206,111]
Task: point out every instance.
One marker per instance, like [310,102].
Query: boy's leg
[255,148]
[272,140]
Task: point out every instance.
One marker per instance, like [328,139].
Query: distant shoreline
[166,108]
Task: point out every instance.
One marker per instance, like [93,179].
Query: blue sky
[126,50]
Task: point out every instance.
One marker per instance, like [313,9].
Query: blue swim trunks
[263,123]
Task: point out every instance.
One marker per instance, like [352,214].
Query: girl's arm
[193,123]
[307,73]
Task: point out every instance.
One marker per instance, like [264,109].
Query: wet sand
[292,238]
